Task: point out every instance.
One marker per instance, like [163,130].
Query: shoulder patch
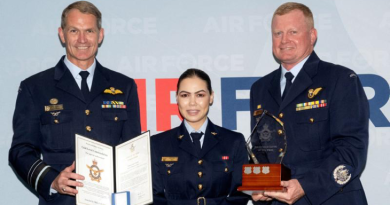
[342,174]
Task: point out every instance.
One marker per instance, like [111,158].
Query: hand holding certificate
[107,172]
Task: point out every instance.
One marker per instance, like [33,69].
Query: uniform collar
[294,70]
[191,129]
[75,70]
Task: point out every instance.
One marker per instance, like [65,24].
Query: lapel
[100,81]
[65,80]
[67,83]
[274,89]
[303,80]
[185,143]
[211,139]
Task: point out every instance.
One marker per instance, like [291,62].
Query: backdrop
[154,41]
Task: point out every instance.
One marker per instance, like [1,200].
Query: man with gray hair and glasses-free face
[325,113]
[73,97]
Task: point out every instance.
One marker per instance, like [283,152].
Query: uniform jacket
[52,133]
[327,144]
[215,174]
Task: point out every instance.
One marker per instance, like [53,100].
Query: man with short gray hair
[78,95]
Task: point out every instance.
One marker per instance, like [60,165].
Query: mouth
[286,48]
[82,47]
[192,112]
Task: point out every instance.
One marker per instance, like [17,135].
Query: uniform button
[169,172]
[116,118]
[200,174]
[226,169]
[200,186]
[311,120]
[280,115]
[280,132]
[200,162]
[281,150]
[56,121]
[87,112]
[88,128]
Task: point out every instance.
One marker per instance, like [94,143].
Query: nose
[284,38]
[82,38]
[192,100]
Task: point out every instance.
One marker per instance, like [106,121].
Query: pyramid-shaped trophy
[267,145]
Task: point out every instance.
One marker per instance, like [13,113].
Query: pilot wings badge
[113,91]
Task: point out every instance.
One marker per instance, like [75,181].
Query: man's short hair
[84,7]
[290,6]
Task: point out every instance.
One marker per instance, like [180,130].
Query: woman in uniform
[197,162]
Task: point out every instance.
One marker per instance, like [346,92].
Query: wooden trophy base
[263,177]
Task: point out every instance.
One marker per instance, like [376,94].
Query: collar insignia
[113,91]
[214,133]
[181,137]
[313,92]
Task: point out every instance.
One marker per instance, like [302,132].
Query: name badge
[169,159]
[49,108]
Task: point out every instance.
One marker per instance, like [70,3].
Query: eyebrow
[183,91]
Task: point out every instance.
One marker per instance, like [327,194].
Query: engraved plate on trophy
[266,146]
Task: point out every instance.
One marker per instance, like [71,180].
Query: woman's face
[194,99]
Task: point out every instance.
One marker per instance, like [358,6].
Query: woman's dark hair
[193,72]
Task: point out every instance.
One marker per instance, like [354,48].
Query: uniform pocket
[57,129]
[311,128]
[113,123]
[114,115]
[173,177]
[222,175]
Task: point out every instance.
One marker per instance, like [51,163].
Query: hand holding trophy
[266,146]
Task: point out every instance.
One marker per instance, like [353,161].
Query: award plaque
[266,146]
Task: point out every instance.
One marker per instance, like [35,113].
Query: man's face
[292,39]
[81,37]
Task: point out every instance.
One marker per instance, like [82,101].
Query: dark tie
[289,76]
[84,86]
[196,141]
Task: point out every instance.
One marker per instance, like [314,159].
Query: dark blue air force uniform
[327,129]
[51,132]
[182,177]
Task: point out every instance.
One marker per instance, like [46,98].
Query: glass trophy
[266,146]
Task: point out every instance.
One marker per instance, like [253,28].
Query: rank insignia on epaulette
[313,92]
[169,159]
[214,133]
[113,91]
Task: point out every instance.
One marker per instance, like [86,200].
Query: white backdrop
[230,40]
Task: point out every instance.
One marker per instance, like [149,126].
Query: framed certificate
[107,170]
